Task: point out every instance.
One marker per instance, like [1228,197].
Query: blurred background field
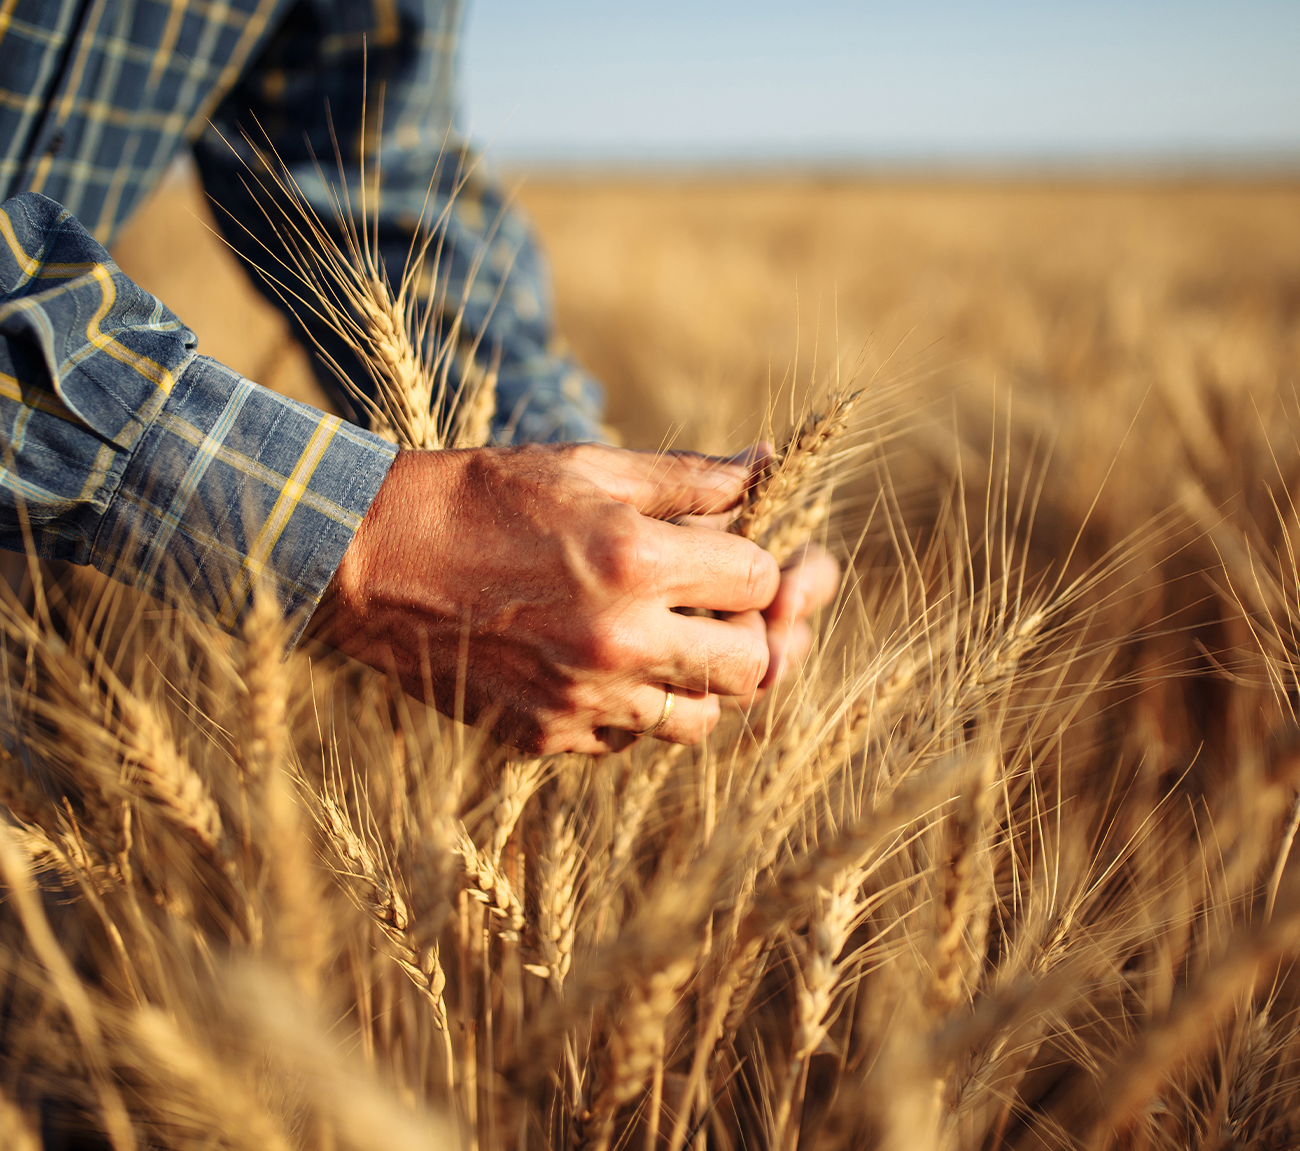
[1077,295]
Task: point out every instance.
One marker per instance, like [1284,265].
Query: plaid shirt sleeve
[349,80]
[125,449]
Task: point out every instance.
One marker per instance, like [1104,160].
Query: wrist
[399,539]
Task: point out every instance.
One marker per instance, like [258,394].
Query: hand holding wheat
[533,590]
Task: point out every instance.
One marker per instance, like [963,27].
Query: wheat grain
[165,777]
[557,897]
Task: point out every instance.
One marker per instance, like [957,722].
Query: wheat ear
[794,531]
[380,899]
[165,775]
[518,784]
[817,979]
[777,491]
[405,387]
[557,902]
[633,1050]
[490,884]
[965,843]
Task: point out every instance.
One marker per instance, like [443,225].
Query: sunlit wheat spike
[374,889]
[165,776]
[477,406]
[402,383]
[65,857]
[404,331]
[519,782]
[794,531]
[782,486]
[557,898]
[634,1047]
[961,861]
[490,885]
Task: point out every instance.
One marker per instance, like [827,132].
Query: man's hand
[533,588]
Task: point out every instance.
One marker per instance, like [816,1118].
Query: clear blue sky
[999,80]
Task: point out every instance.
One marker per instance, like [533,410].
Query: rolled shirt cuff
[234,489]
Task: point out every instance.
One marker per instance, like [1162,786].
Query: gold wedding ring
[669,700]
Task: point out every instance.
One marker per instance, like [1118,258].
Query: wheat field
[1005,866]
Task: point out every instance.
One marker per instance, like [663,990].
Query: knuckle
[584,453]
[606,647]
[565,734]
[624,554]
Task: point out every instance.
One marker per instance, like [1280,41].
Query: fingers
[721,656]
[703,568]
[744,651]
[689,720]
[806,586]
[693,715]
[669,484]
[788,644]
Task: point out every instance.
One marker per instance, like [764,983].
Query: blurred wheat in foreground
[951,888]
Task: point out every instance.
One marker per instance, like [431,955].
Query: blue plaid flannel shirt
[123,447]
